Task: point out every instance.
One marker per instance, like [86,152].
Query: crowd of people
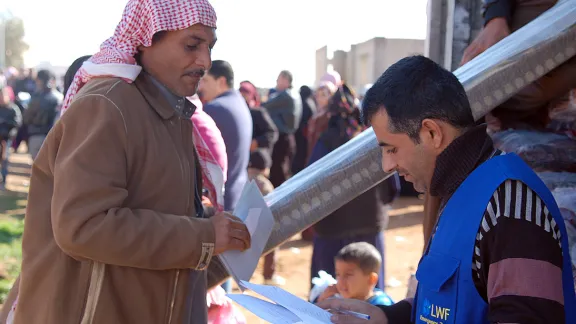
[29,106]
[140,160]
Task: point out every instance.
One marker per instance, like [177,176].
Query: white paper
[308,312]
[252,220]
[253,210]
[267,311]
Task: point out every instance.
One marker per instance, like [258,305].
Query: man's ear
[431,132]
[373,278]
[222,82]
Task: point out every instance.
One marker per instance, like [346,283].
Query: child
[259,170]
[357,267]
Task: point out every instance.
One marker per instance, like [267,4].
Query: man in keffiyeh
[115,231]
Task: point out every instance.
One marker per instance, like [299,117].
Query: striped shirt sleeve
[517,262]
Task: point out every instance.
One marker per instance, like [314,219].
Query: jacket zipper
[182,168]
[94,289]
[173,296]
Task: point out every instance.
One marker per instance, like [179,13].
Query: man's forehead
[380,121]
[201,32]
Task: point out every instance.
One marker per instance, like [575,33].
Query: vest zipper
[94,289]
[173,296]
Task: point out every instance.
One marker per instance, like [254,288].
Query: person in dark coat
[308,110]
[264,131]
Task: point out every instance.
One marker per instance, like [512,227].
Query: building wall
[321,62]
[395,50]
[366,61]
[339,63]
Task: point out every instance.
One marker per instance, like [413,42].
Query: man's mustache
[196,73]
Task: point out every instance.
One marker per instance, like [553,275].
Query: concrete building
[366,61]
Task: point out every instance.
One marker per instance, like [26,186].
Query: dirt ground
[404,243]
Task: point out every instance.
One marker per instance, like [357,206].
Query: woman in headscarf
[264,131]
[319,122]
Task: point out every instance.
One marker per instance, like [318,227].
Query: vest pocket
[437,289]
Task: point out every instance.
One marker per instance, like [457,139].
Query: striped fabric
[517,261]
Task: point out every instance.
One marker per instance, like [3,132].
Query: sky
[258,37]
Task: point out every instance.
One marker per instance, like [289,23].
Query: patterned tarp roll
[489,79]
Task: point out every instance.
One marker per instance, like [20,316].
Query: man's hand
[231,233]
[494,31]
[330,291]
[377,316]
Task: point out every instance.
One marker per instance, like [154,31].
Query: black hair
[260,160]
[71,72]
[363,254]
[416,88]
[305,92]
[158,36]
[288,75]
[45,76]
[222,69]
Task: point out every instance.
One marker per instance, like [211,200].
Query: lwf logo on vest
[433,314]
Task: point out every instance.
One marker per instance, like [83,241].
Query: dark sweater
[264,130]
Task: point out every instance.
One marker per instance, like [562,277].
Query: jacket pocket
[94,289]
[437,295]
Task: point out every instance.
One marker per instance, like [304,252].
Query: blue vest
[446,293]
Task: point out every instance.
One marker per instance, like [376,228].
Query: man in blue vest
[498,253]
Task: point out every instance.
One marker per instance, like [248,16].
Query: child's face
[352,282]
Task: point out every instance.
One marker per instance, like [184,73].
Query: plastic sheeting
[489,79]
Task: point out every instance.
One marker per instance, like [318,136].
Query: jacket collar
[164,102]
[459,159]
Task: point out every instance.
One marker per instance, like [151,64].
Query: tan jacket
[111,234]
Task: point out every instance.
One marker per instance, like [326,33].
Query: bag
[542,151]
[563,116]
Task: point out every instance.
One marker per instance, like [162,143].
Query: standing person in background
[319,121]
[259,171]
[42,111]
[308,110]
[232,116]
[264,131]
[10,119]
[72,69]
[285,109]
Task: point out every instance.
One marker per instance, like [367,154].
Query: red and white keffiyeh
[213,175]
[140,21]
